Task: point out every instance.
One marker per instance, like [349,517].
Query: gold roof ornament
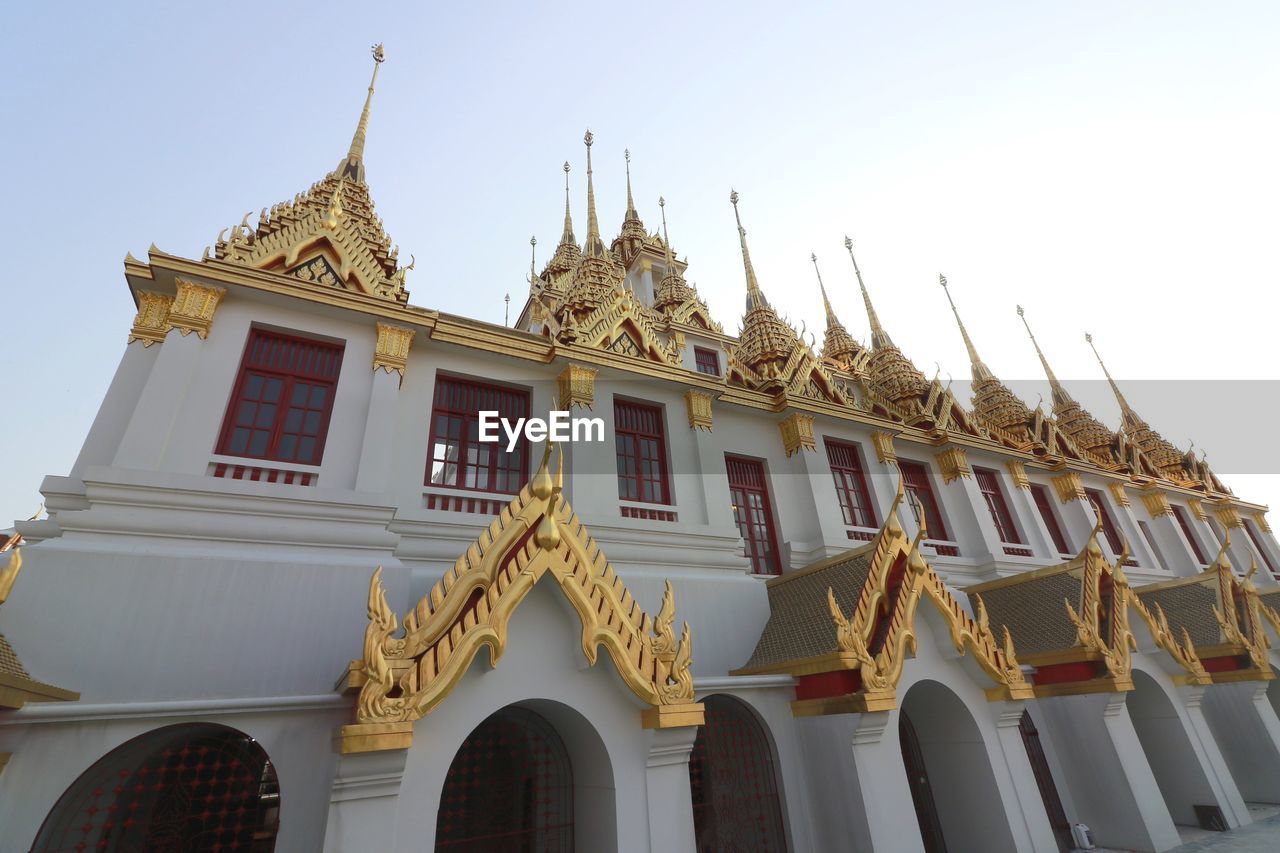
[838,346]
[673,291]
[892,374]
[633,235]
[993,401]
[1074,421]
[567,255]
[766,343]
[329,235]
[599,275]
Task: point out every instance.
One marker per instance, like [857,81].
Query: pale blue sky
[1111,166]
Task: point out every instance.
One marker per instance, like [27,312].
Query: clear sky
[1111,166]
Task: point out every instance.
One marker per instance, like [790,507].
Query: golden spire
[672,290]
[631,205]
[755,298]
[980,370]
[567,236]
[837,343]
[533,259]
[879,337]
[352,166]
[594,246]
[1060,395]
[1131,418]
[567,255]
[826,303]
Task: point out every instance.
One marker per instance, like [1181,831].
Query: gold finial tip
[626,152]
[533,241]
[566,167]
[733,197]
[1088,338]
[1020,312]
[589,138]
[662,202]
[942,279]
[848,242]
[813,256]
[379,55]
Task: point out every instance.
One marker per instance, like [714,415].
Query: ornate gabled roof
[538,535]
[600,274]
[993,402]
[633,234]
[838,346]
[330,234]
[891,374]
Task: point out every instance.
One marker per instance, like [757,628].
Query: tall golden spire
[672,291]
[631,215]
[1167,459]
[879,337]
[1060,395]
[1130,417]
[755,297]
[837,343]
[533,259]
[567,236]
[980,370]
[594,246]
[352,166]
[826,303]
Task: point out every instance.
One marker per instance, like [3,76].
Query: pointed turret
[632,238]
[1060,395]
[766,342]
[879,337]
[837,344]
[993,401]
[567,255]
[352,166]
[1167,459]
[594,246]
[673,290]
[892,373]
[599,275]
[1073,420]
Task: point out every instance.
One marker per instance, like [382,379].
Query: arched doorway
[184,787]
[958,806]
[1179,775]
[732,780]
[509,788]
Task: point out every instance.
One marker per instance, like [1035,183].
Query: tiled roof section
[1270,599]
[1034,612]
[9,663]
[800,624]
[1189,606]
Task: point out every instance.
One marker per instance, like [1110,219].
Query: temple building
[287,597]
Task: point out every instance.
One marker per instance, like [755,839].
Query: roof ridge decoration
[860,656]
[402,678]
[328,235]
[993,401]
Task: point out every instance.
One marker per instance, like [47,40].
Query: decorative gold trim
[4,760]
[698,404]
[1228,516]
[797,432]
[577,386]
[9,573]
[1069,487]
[671,716]
[1260,519]
[193,307]
[1018,474]
[1119,493]
[882,441]
[401,679]
[152,321]
[954,464]
[1157,503]
[374,737]
[1197,508]
[391,352]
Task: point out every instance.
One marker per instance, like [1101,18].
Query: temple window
[920,497]
[707,361]
[640,447]
[989,485]
[457,456]
[749,494]
[1040,495]
[1180,515]
[1109,528]
[850,478]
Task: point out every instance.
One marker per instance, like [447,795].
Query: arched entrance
[185,787]
[957,803]
[1180,776]
[509,788]
[733,783]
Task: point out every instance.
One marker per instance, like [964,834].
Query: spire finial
[826,303]
[631,205]
[666,241]
[755,298]
[533,258]
[980,370]
[353,165]
[1130,416]
[879,337]
[567,237]
[594,246]
[1060,395]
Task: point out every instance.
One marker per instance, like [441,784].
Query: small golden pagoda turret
[1075,422]
[567,255]
[633,236]
[892,374]
[673,291]
[993,402]
[766,342]
[838,346]
[599,276]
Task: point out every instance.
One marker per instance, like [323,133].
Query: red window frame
[455,423]
[282,400]
[753,512]
[707,361]
[919,488]
[640,450]
[849,475]
[1040,495]
[1180,515]
[1109,528]
[989,485]
[1253,537]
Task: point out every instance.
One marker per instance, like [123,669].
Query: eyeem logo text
[559,427]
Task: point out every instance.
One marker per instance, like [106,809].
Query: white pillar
[1248,734]
[667,784]
[1029,825]
[379,433]
[171,379]
[1210,757]
[364,800]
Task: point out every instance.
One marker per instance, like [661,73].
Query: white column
[1032,831]
[1248,733]
[379,433]
[364,800]
[667,784]
[1210,757]
[118,406]
[145,438]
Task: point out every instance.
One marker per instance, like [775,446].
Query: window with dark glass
[641,453]
[1151,542]
[1109,528]
[851,483]
[989,485]
[1040,495]
[707,361]
[1180,515]
[920,496]
[282,399]
[457,457]
[749,494]
[1251,529]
